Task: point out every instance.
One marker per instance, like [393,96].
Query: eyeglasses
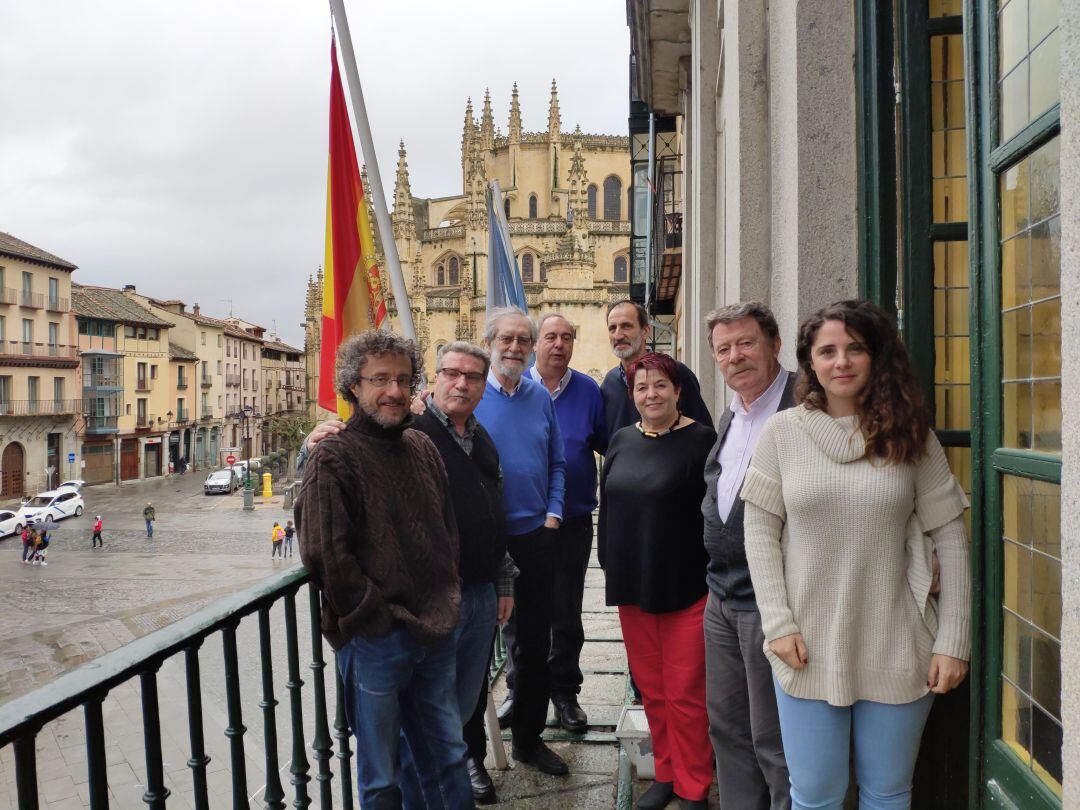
[524,341]
[404,382]
[471,377]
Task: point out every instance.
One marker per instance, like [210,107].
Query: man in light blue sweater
[520,417]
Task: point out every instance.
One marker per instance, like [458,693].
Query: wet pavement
[86,603]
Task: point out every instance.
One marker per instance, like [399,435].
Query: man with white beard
[520,416]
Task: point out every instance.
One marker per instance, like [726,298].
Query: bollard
[268,487]
[288,504]
[249,499]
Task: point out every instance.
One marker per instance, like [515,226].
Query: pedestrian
[27,544]
[96,541]
[41,546]
[149,516]
[381,543]
[847,496]
[290,531]
[649,544]
[743,724]
[520,416]
[277,535]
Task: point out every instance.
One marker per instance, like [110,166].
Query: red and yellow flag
[352,290]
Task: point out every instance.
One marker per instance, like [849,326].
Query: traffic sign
[71,458]
[230,459]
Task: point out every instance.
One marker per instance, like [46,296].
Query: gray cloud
[182,147]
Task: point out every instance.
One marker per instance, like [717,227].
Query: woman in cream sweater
[847,498]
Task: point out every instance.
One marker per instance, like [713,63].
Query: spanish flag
[352,290]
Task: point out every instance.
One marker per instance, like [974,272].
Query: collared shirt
[465,440]
[741,439]
[498,386]
[559,388]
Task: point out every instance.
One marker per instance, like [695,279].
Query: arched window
[455,277]
[620,269]
[532,206]
[506,207]
[543,271]
[592,200]
[526,267]
[612,198]
[440,276]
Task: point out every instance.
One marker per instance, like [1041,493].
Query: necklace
[656,434]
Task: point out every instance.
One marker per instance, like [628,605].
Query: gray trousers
[744,725]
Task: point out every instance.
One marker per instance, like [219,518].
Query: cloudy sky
[181,147]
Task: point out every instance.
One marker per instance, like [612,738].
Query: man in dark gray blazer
[743,723]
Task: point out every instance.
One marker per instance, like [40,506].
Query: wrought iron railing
[39,407]
[87,687]
[95,424]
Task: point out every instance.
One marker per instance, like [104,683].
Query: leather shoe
[483,792]
[505,713]
[541,757]
[693,804]
[656,797]
[569,715]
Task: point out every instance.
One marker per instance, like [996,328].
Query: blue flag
[504,287]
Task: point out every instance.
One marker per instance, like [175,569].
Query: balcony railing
[102,381]
[207,414]
[101,424]
[57,305]
[142,386]
[206,382]
[39,407]
[32,299]
[22,719]
[232,379]
[145,422]
[22,348]
[9,295]
[181,385]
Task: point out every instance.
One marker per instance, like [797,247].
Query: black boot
[657,796]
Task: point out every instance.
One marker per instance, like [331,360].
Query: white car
[225,481]
[75,484]
[10,523]
[55,504]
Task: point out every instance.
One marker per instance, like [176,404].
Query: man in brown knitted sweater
[378,534]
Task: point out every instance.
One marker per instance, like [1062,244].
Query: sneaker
[44,563]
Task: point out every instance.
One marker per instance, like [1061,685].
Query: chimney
[195,308]
[129,288]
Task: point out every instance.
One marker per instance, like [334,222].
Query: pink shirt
[741,440]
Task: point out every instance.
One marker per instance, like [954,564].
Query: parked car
[55,504]
[10,523]
[221,481]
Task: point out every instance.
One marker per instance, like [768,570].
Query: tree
[291,429]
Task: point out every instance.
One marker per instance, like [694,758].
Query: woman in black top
[650,546]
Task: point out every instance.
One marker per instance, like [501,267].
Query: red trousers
[667,656]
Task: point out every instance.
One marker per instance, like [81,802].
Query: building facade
[921,153]
[39,398]
[243,386]
[566,201]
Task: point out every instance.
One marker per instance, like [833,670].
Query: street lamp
[243,417]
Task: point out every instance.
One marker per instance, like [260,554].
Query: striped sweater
[840,550]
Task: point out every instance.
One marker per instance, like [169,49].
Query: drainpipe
[649,218]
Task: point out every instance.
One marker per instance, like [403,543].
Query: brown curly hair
[891,409]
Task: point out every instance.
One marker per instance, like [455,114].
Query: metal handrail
[23,718]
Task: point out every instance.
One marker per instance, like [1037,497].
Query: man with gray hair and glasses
[379,537]
[520,416]
[743,722]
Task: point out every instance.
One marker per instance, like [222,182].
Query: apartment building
[39,404]
[243,384]
[284,389]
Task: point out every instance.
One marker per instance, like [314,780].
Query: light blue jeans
[817,743]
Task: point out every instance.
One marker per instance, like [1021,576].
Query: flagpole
[375,187]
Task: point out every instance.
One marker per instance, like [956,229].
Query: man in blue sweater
[580,411]
[520,417]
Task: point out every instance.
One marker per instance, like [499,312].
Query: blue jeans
[394,685]
[817,742]
[473,638]
[149,528]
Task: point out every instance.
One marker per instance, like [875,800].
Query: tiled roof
[111,305]
[180,353]
[278,346]
[205,320]
[237,332]
[24,250]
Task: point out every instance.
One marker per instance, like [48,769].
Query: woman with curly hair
[847,498]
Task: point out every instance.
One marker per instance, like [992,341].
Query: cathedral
[566,198]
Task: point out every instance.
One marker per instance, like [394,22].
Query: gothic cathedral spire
[554,119]
[402,218]
[515,117]
[487,124]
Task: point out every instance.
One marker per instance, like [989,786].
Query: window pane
[1016,595]
[1012,35]
[1042,19]
[1015,272]
[1045,61]
[1016,415]
[1028,62]
[946,8]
